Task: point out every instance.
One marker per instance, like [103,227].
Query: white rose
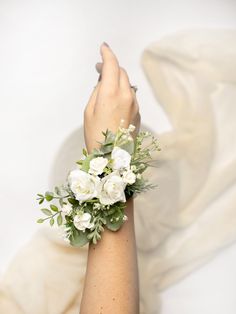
[112,189]
[83,185]
[129,177]
[82,221]
[121,158]
[97,165]
[66,209]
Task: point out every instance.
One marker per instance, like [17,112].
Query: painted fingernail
[106,44]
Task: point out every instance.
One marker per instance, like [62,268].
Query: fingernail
[106,44]
[99,78]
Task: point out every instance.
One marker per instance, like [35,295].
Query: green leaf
[52,221]
[85,153]
[57,190]
[86,163]
[61,202]
[114,225]
[46,211]
[49,196]
[129,147]
[41,201]
[59,219]
[40,195]
[39,221]
[54,208]
[73,201]
[78,238]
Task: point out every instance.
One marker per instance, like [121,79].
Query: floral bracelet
[95,193]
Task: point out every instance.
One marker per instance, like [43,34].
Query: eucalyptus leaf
[78,238]
[39,221]
[129,147]
[115,225]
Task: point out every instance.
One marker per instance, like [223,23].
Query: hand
[111,100]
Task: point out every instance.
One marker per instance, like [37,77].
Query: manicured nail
[106,44]
[99,78]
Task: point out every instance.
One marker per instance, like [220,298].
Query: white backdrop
[47,57]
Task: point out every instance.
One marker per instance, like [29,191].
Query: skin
[111,281]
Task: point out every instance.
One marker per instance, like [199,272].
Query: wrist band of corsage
[95,193]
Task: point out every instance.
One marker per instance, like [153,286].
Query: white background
[47,57]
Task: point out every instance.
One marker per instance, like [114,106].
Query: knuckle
[127,96]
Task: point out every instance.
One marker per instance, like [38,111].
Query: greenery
[63,207]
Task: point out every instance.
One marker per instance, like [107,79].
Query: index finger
[110,70]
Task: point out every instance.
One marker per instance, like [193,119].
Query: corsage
[95,193]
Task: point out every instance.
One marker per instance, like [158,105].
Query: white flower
[83,185]
[125,218]
[97,165]
[129,177]
[139,176]
[121,158]
[112,189]
[66,209]
[82,221]
[131,128]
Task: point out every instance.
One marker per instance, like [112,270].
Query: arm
[111,282]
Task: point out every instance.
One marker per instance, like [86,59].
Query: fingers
[110,70]
[125,85]
[124,79]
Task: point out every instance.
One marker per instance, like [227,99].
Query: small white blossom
[112,189]
[97,165]
[129,177]
[120,158]
[139,176]
[125,218]
[97,206]
[82,221]
[131,128]
[83,185]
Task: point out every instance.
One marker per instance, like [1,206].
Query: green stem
[56,213]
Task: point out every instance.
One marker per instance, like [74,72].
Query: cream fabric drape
[190,217]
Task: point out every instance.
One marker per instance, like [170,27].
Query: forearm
[111,283]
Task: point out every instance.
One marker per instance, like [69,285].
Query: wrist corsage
[95,193]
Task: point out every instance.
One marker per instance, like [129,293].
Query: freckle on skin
[113,299]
